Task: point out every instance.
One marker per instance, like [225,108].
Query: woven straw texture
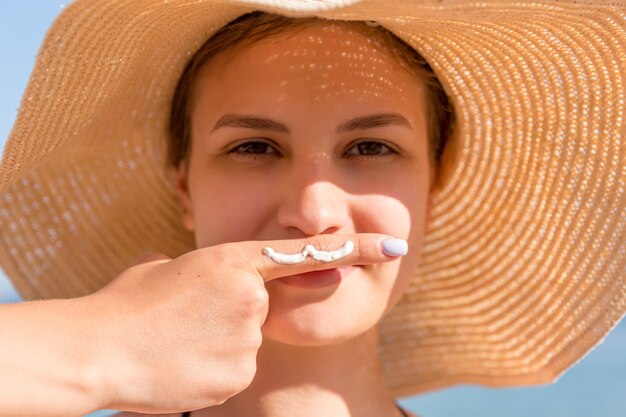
[524,263]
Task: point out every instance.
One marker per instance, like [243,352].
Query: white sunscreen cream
[319,255]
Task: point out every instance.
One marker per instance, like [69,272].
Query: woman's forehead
[325,58]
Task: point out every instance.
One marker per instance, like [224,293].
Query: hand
[184,333]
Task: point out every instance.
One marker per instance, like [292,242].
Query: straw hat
[524,264]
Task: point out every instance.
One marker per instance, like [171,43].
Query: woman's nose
[314,204]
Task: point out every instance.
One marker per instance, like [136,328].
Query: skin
[311,180]
[306,179]
[218,330]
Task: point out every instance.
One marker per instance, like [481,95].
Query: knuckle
[243,374]
[241,385]
[221,255]
[227,390]
[368,248]
[221,400]
[236,375]
[256,339]
[254,300]
[258,299]
[358,251]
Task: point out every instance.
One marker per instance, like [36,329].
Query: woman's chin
[305,337]
[333,312]
[313,329]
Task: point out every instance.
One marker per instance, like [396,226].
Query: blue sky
[594,387]
[23,25]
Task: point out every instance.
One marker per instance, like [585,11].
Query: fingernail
[395,247]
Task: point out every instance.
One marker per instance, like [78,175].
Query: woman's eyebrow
[356,123]
[250,122]
[374,120]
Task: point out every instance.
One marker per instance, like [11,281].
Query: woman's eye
[254,148]
[370,149]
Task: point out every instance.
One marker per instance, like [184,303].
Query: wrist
[93,364]
[47,349]
[110,371]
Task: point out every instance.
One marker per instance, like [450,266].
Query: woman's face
[308,132]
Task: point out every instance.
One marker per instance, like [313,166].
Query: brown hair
[255,26]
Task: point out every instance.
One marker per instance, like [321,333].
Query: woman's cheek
[231,208]
[390,214]
[380,213]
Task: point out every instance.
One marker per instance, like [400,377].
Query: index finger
[321,252]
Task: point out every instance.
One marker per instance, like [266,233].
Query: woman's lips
[317,279]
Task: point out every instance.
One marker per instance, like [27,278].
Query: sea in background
[595,387]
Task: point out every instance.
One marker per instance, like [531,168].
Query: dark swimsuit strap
[404,413]
[188,413]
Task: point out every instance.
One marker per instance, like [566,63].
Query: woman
[319,133]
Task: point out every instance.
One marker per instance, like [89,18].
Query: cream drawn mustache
[320,255]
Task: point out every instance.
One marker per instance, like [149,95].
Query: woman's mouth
[317,279]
